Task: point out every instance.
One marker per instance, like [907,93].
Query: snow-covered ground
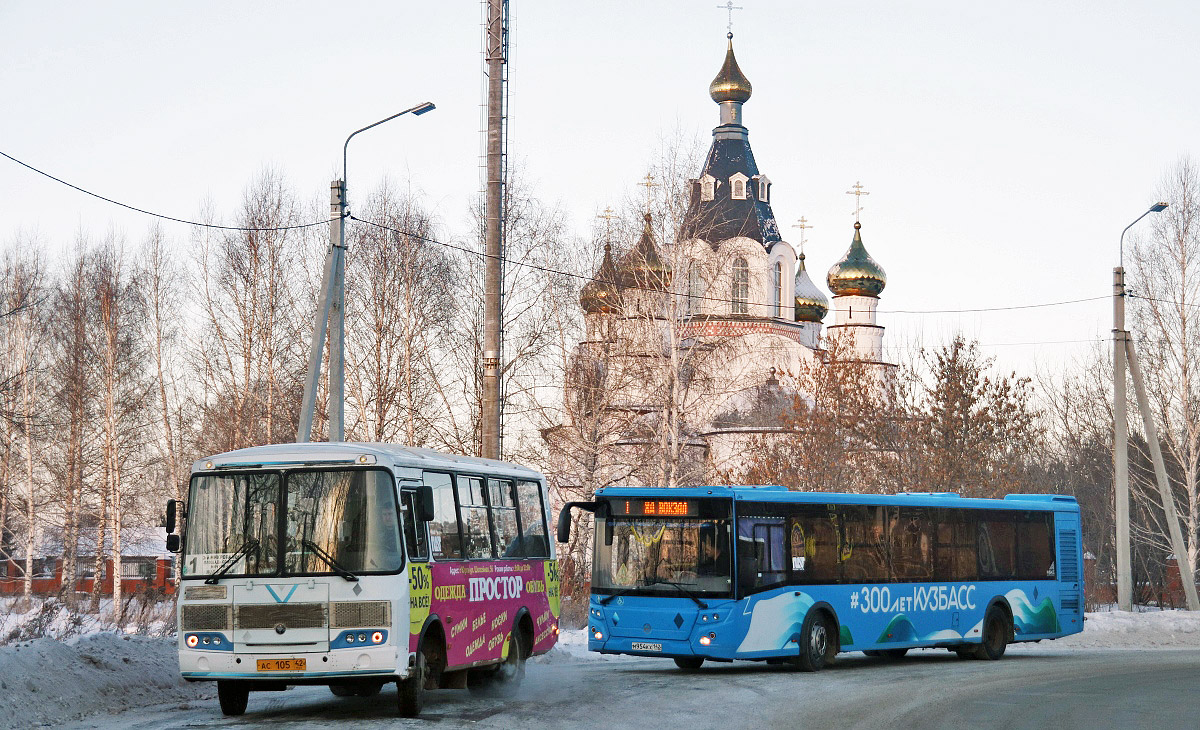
[46,682]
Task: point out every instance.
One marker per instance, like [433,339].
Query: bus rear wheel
[689,663]
[233,696]
[817,644]
[996,630]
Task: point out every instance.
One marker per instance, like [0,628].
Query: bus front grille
[204,617]
[290,615]
[360,614]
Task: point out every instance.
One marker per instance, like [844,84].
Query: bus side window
[997,541]
[445,542]
[473,511]
[533,542]
[955,549]
[415,537]
[864,559]
[1036,546]
[814,544]
[504,516]
[910,544]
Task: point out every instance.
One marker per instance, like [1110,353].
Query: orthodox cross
[857,191]
[729,6]
[803,226]
[608,215]
[649,184]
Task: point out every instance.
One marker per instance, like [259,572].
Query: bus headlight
[706,640]
[377,637]
[191,641]
[596,634]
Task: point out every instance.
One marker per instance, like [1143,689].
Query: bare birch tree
[1166,327]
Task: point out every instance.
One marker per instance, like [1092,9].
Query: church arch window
[708,188]
[778,274]
[737,186]
[741,287]
[763,187]
[694,290]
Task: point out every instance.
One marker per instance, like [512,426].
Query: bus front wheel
[817,643]
[410,692]
[996,630]
[233,696]
[689,663]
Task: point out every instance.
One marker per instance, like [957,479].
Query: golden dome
[811,303]
[856,274]
[642,267]
[601,293]
[730,84]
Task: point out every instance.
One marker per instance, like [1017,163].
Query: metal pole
[317,345]
[1164,487]
[1121,445]
[337,319]
[490,435]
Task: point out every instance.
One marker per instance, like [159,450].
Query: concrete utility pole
[497,46]
[1121,445]
[331,308]
[329,301]
[1121,347]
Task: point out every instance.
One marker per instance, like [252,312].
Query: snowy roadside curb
[49,682]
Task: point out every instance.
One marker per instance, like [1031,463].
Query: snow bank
[48,682]
[1124,630]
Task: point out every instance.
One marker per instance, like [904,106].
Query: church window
[693,288]
[737,186]
[741,287]
[708,188]
[764,189]
[778,289]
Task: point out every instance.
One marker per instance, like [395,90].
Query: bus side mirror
[173,543]
[172,506]
[564,518]
[424,503]
[564,525]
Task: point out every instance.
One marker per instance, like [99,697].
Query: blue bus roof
[775,493]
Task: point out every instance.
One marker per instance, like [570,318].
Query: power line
[1164,301]
[152,213]
[524,264]
[585,278]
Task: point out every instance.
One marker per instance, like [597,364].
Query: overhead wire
[524,264]
[161,215]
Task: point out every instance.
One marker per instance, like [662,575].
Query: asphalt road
[1085,689]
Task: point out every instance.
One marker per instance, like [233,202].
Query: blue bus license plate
[643,646]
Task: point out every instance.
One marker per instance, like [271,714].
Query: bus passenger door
[1069,571]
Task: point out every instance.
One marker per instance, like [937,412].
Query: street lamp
[1120,425]
[330,307]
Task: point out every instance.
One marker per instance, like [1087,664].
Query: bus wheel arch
[835,627]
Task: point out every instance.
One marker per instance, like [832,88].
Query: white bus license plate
[643,646]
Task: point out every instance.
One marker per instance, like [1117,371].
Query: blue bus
[768,574]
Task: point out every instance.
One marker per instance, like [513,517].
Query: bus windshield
[661,556]
[336,522]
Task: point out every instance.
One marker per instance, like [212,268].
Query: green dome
[856,274]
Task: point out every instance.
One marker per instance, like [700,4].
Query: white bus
[356,565]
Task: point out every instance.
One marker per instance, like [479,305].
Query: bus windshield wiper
[624,591]
[328,560]
[250,544]
[682,590]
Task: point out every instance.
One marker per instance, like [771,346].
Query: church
[686,339]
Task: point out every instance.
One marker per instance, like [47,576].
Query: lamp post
[1120,424]
[331,307]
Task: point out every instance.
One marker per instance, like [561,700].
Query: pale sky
[1004,145]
